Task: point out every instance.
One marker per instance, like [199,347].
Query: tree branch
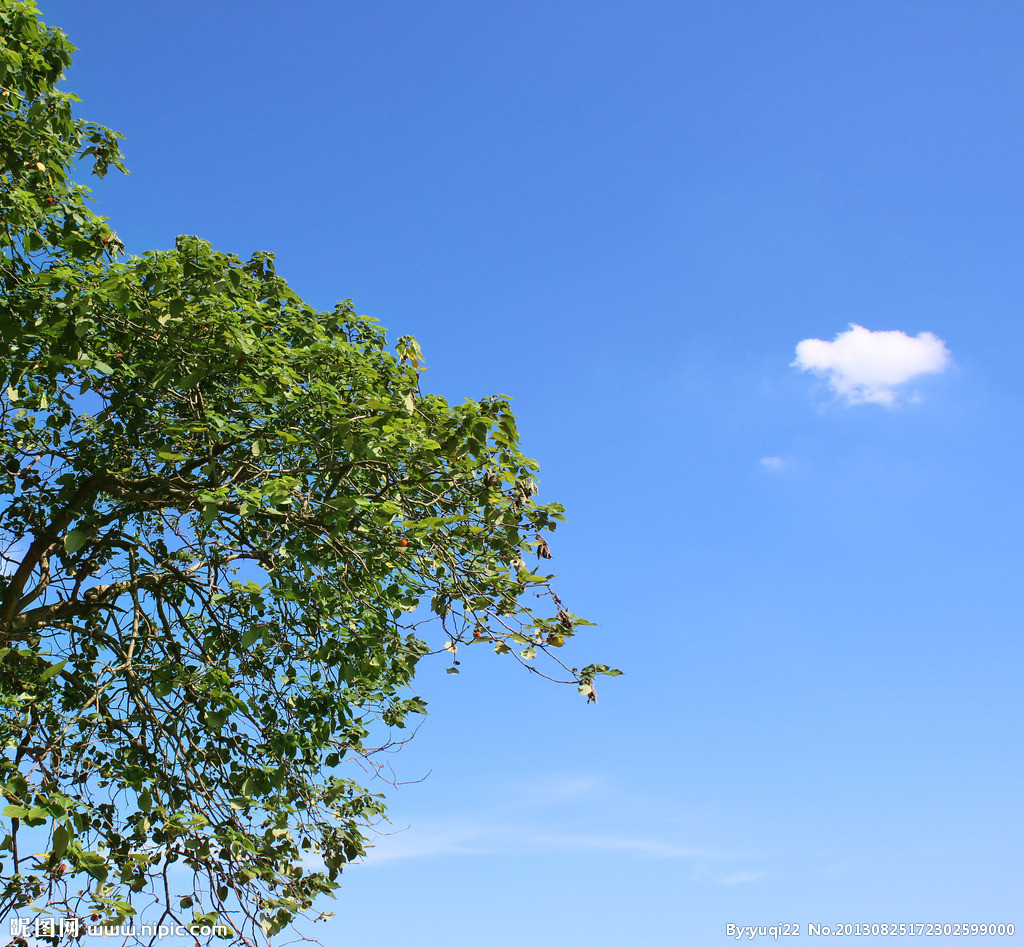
[38,549]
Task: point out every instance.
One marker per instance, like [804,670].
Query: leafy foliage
[225,518]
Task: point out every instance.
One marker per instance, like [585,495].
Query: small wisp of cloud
[772,463]
[742,877]
[865,367]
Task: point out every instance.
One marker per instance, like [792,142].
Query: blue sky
[627,216]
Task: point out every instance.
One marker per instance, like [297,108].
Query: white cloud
[742,877]
[773,463]
[476,835]
[631,845]
[539,815]
[864,366]
[552,789]
[712,875]
[453,837]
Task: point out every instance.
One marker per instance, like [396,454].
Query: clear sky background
[626,215]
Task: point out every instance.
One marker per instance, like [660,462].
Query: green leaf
[215,719]
[61,837]
[75,539]
[249,637]
[52,670]
[189,380]
[15,812]
[161,688]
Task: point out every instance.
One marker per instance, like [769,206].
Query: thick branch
[94,599]
[40,544]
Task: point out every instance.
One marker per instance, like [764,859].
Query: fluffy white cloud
[864,366]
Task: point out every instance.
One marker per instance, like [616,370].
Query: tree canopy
[231,525]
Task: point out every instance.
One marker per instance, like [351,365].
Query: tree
[230,525]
